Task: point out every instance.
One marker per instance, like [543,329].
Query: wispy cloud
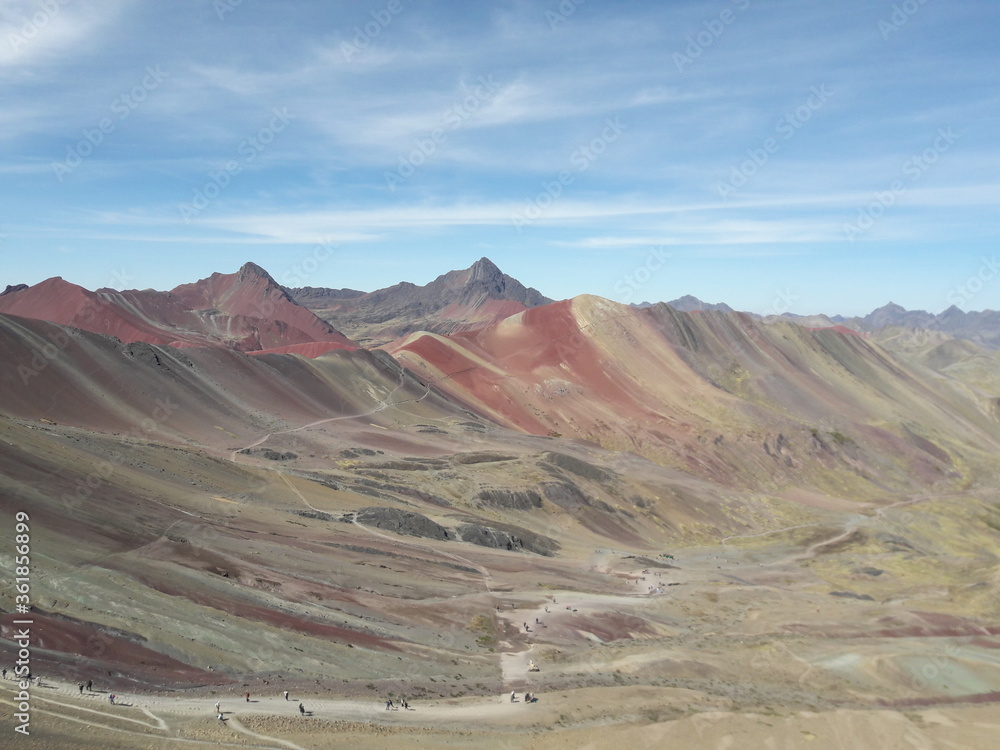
[552,86]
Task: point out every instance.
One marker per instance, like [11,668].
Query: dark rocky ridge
[401,522]
[386,314]
[510,499]
[503,536]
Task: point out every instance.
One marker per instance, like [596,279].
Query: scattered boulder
[501,536]
[510,499]
[269,454]
[401,522]
[481,458]
[852,595]
[871,571]
[579,467]
[565,495]
[356,452]
[317,515]
[277,456]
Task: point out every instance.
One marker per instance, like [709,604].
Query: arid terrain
[705,530]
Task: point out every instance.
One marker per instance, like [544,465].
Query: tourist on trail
[218,707]
[513,696]
[112,699]
[302,709]
[81,688]
[286,695]
[90,685]
[5,673]
[221,717]
[248,697]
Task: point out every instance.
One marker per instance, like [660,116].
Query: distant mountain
[688,303]
[456,301]
[806,321]
[247,311]
[982,327]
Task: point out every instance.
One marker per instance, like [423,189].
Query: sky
[779,156]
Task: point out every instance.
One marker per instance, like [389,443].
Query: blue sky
[778,156]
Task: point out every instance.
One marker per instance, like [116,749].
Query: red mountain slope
[716,394]
[246,311]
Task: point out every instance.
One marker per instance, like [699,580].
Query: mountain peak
[484,268]
[250,270]
[690,303]
[459,300]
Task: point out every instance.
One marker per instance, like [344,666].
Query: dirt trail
[238,726]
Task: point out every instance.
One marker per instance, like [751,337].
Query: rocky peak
[13,288]
[251,270]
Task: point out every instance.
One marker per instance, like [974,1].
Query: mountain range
[453,302]
[980,327]
[247,311]
[420,491]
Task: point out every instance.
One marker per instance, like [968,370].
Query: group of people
[222,717]
[528,697]
[29,677]
[390,706]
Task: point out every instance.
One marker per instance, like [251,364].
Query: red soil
[246,311]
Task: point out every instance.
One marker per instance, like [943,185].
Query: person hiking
[248,697]
[218,707]
[513,696]
[90,685]
[302,709]
[81,688]
[286,695]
